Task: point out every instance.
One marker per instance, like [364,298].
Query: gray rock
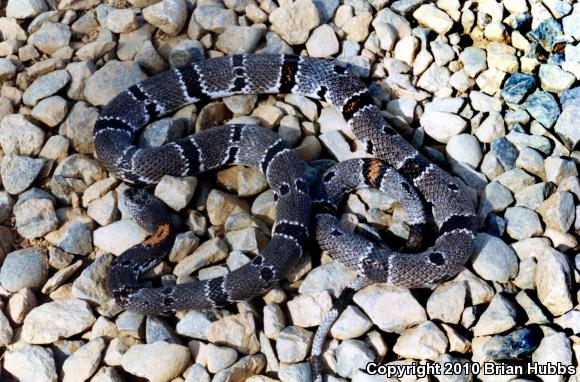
[159,361]
[522,223]
[55,320]
[51,37]
[554,349]
[133,42]
[533,196]
[244,368]
[499,317]
[494,260]
[566,125]
[515,180]
[352,355]
[186,52]
[30,363]
[156,329]
[406,310]
[558,211]
[79,72]
[425,341]
[35,217]
[90,285]
[83,363]
[18,172]
[293,344]
[505,152]
[521,140]
[215,19]
[496,199]
[19,136]
[543,108]
[6,205]
[45,86]
[78,127]
[294,21]
[553,277]
[111,79]
[474,61]
[239,39]
[73,237]
[122,20]
[168,15]
[25,268]
[558,169]
[51,111]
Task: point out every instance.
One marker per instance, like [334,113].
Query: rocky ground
[485,89]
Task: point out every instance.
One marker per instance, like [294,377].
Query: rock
[35,217]
[554,79]
[309,310]
[8,69]
[522,223]
[73,237]
[25,268]
[197,373]
[106,374]
[352,323]
[6,206]
[90,285]
[406,310]
[55,320]
[158,362]
[558,169]
[446,303]
[18,172]
[274,320]
[515,180]
[218,358]
[474,61]
[243,369]
[356,27]
[111,79]
[566,127]
[441,126]
[502,57]
[220,205]
[493,259]
[352,355]
[514,345]
[491,128]
[83,363]
[522,141]
[78,127]
[236,331]
[51,37]
[239,39]
[322,42]
[293,343]
[543,108]
[51,111]
[119,236]
[209,252]
[215,19]
[484,103]
[553,282]
[294,21]
[25,9]
[45,86]
[558,211]
[505,152]
[434,18]
[554,349]
[517,87]
[30,363]
[122,20]
[465,148]
[499,317]
[434,78]
[548,33]
[167,15]
[425,341]
[176,192]
[19,136]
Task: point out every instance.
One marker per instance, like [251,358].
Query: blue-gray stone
[505,152]
[521,21]
[495,225]
[548,34]
[543,107]
[515,345]
[569,95]
[517,127]
[517,87]
[556,58]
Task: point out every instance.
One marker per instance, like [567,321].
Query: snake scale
[399,169]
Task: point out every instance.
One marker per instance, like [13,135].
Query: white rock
[158,362]
[119,236]
[80,365]
[30,363]
[167,15]
[441,126]
[434,18]
[425,341]
[465,148]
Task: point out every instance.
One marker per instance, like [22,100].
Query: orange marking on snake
[374,171]
[162,232]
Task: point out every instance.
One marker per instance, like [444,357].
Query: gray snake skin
[127,113]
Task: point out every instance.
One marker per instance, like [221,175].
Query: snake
[127,113]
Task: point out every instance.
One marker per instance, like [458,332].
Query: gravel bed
[488,90]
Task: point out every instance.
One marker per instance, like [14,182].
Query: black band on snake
[127,113]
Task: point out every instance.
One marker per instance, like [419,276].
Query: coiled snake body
[127,113]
